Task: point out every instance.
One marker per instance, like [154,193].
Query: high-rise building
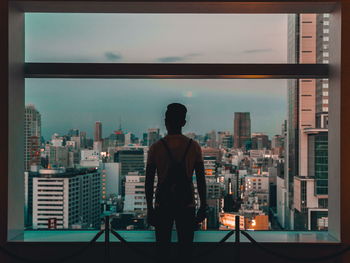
[98,131]
[260,141]
[82,136]
[32,136]
[225,139]
[110,179]
[308,41]
[66,199]
[73,132]
[211,140]
[241,129]
[153,136]
[135,199]
[119,137]
[57,156]
[144,139]
[132,160]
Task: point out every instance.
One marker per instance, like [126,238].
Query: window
[155,38]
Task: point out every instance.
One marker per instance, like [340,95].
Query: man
[175,158]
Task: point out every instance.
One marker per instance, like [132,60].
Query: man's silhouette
[175,158]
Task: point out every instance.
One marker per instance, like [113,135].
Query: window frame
[18,70]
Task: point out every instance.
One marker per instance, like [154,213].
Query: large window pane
[264,142]
[95,135]
[177,38]
[156,38]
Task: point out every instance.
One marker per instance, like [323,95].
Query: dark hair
[175,114]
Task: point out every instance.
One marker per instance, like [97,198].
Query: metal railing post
[237,239]
[107,245]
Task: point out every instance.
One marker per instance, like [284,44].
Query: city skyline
[211,104]
[274,184]
[170,38]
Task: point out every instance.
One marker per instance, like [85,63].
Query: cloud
[262,50]
[112,56]
[177,58]
[170,59]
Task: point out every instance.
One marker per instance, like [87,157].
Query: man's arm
[201,184]
[149,184]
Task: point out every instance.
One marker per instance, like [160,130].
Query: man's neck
[175,132]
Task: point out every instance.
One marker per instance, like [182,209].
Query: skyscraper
[260,141]
[131,161]
[32,136]
[98,131]
[153,136]
[308,40]
[241,129]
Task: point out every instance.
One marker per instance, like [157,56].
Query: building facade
[98,131]
[308,42]
[66,199]
[32,137]
[241,129]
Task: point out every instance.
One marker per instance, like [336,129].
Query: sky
[152,38]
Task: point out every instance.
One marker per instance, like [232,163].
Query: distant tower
[241,129]
[153,136]
[98,131]
[32,136]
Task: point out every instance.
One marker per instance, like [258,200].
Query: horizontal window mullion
[180,7]
[169,70]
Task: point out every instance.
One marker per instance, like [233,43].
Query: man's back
[165,160]
[177,144]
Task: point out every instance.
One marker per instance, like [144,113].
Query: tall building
[144,139]
[260,141]
[110,179]
[241,129]
[66,199]
[119,137]
[56,156]
[225,139]
[135,199]
[73,132]
[98,131]
[82,136]
[153,136]
[308,41]
[32,136]
[132,160]
[211,140]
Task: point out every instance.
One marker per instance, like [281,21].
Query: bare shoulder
[195,144]
[155,145]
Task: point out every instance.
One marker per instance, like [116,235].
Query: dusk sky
[140,104]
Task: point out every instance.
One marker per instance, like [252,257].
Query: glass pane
[156,38]
[177,38]
[264,145]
